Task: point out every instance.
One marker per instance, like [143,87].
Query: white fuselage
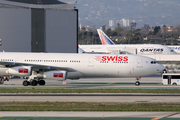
[175,48]
[87,65]
[139,49]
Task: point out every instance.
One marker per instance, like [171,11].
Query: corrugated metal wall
[61,27]
[38,30]
[15,30]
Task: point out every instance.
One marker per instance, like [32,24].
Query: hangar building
[38,26]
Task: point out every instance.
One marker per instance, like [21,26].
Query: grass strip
[87,106]
[61,90]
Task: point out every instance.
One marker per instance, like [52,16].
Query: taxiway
[150,82]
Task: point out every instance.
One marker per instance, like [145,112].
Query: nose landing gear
[137,83]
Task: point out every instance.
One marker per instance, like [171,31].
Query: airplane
[80,51]
[105,40]
[176,48]
[62,66]
[139,49]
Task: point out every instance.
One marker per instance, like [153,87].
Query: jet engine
[20,71]
[54,75]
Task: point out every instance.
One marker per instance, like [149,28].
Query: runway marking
[93,87]
[111,82]
[171,115]
[157,118]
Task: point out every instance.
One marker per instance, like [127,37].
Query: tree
[117,30]
[147,27]
[118,25]
[164,31]
[133,26]
[125,31]
[108,32]
[144,32]
[104,27]
[156,29]
[92,28]
[177,32]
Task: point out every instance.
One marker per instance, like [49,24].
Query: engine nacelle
[55,75]
[20,71]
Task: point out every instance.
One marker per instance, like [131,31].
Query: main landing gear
[33,82]
[137,83]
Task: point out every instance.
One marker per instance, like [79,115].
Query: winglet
[104,38]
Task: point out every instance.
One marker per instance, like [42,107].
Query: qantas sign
[112,58]
[152,50]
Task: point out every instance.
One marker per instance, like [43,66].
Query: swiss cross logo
[22,70]
[98,58]
[60,75]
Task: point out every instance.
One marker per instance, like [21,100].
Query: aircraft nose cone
[174,52]
[160,68]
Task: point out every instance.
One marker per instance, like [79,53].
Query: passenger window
[175,77]
[165,76]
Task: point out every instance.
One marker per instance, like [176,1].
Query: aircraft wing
[35,66]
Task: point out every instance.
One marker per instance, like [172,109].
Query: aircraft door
[17,59]
[169,79]
[139,63]
[91,62]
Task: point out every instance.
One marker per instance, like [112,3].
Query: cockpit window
[172,50]
[154,62]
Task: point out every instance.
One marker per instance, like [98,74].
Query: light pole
[0,42]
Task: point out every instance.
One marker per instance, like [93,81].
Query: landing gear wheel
[25,83]
[42,82]
[34,83]
[7,79]
[174,84]
[137,83]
